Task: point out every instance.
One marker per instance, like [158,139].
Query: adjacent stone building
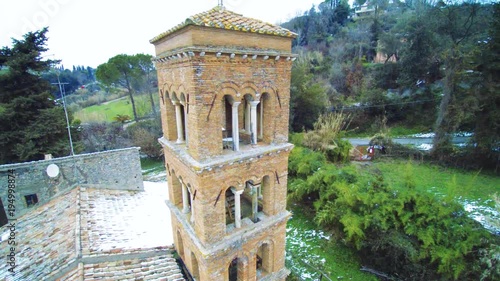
[92,221]
[224,84]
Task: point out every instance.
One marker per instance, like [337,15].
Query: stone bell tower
[224,83]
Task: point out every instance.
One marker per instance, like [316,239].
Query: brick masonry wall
[216,265]
[116,169]
[207,80]
[204,69]
[194,36]
[210,216]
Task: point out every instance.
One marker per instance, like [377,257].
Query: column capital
[254,103]
[237,192]
[176,103]
[236,103]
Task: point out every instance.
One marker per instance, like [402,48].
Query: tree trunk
[133,104]
[445,121]
[130,94]
[152,100]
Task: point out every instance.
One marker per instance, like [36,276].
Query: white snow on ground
[432,135]
[424,146]
[423,135]
[484,215]
[130,221]
[156,202]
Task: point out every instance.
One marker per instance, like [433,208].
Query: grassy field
[107,111]
[463,185]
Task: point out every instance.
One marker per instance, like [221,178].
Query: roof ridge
[220,17]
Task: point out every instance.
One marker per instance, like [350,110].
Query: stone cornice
[246,232]
[219,52]
[180,151]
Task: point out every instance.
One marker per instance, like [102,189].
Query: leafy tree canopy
[31,122]
[132,72]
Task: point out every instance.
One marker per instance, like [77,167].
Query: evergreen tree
[307,98]
[31,123]
[487,130]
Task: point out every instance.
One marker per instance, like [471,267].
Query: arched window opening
[195,270]
[186,203]
[230,124]
[250,201]
[251,119]
[263,261]
[230,207]
[251,123]
[183,109]
[191,203]
[180,119]
[260,119]
[176,191]
[264,120]
[235,270]
[180,245]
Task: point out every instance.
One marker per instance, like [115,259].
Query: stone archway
[180,245]
[195,269]
[236,270]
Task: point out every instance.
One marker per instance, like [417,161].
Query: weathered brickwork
[224,97]
[207,81]
[116,169]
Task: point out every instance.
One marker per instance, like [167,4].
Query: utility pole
[61,87]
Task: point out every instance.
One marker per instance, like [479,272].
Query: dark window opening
[230,206]
[233,270]
[3,215]
[31,200]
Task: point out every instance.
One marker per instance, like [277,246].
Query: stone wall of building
[116,169]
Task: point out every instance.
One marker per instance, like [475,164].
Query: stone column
[236,130]
[261,120]
[237,207]
[186,124]
[185,199]
[253,116]
[255,201]
[192,207]
[247,117]
[178,119]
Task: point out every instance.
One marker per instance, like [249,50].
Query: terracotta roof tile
[45,239]
[219,17]
[114,227]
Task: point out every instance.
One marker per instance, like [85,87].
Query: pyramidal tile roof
[220,17]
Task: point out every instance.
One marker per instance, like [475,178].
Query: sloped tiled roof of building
[115,234]
[45,240]
[220,17]
[163,267]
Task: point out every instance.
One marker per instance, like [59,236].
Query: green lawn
[107,111]
[463,185]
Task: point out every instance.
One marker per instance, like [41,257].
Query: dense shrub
[107,136]
[398,230]
[326,137]
[145,134]
[104,136]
